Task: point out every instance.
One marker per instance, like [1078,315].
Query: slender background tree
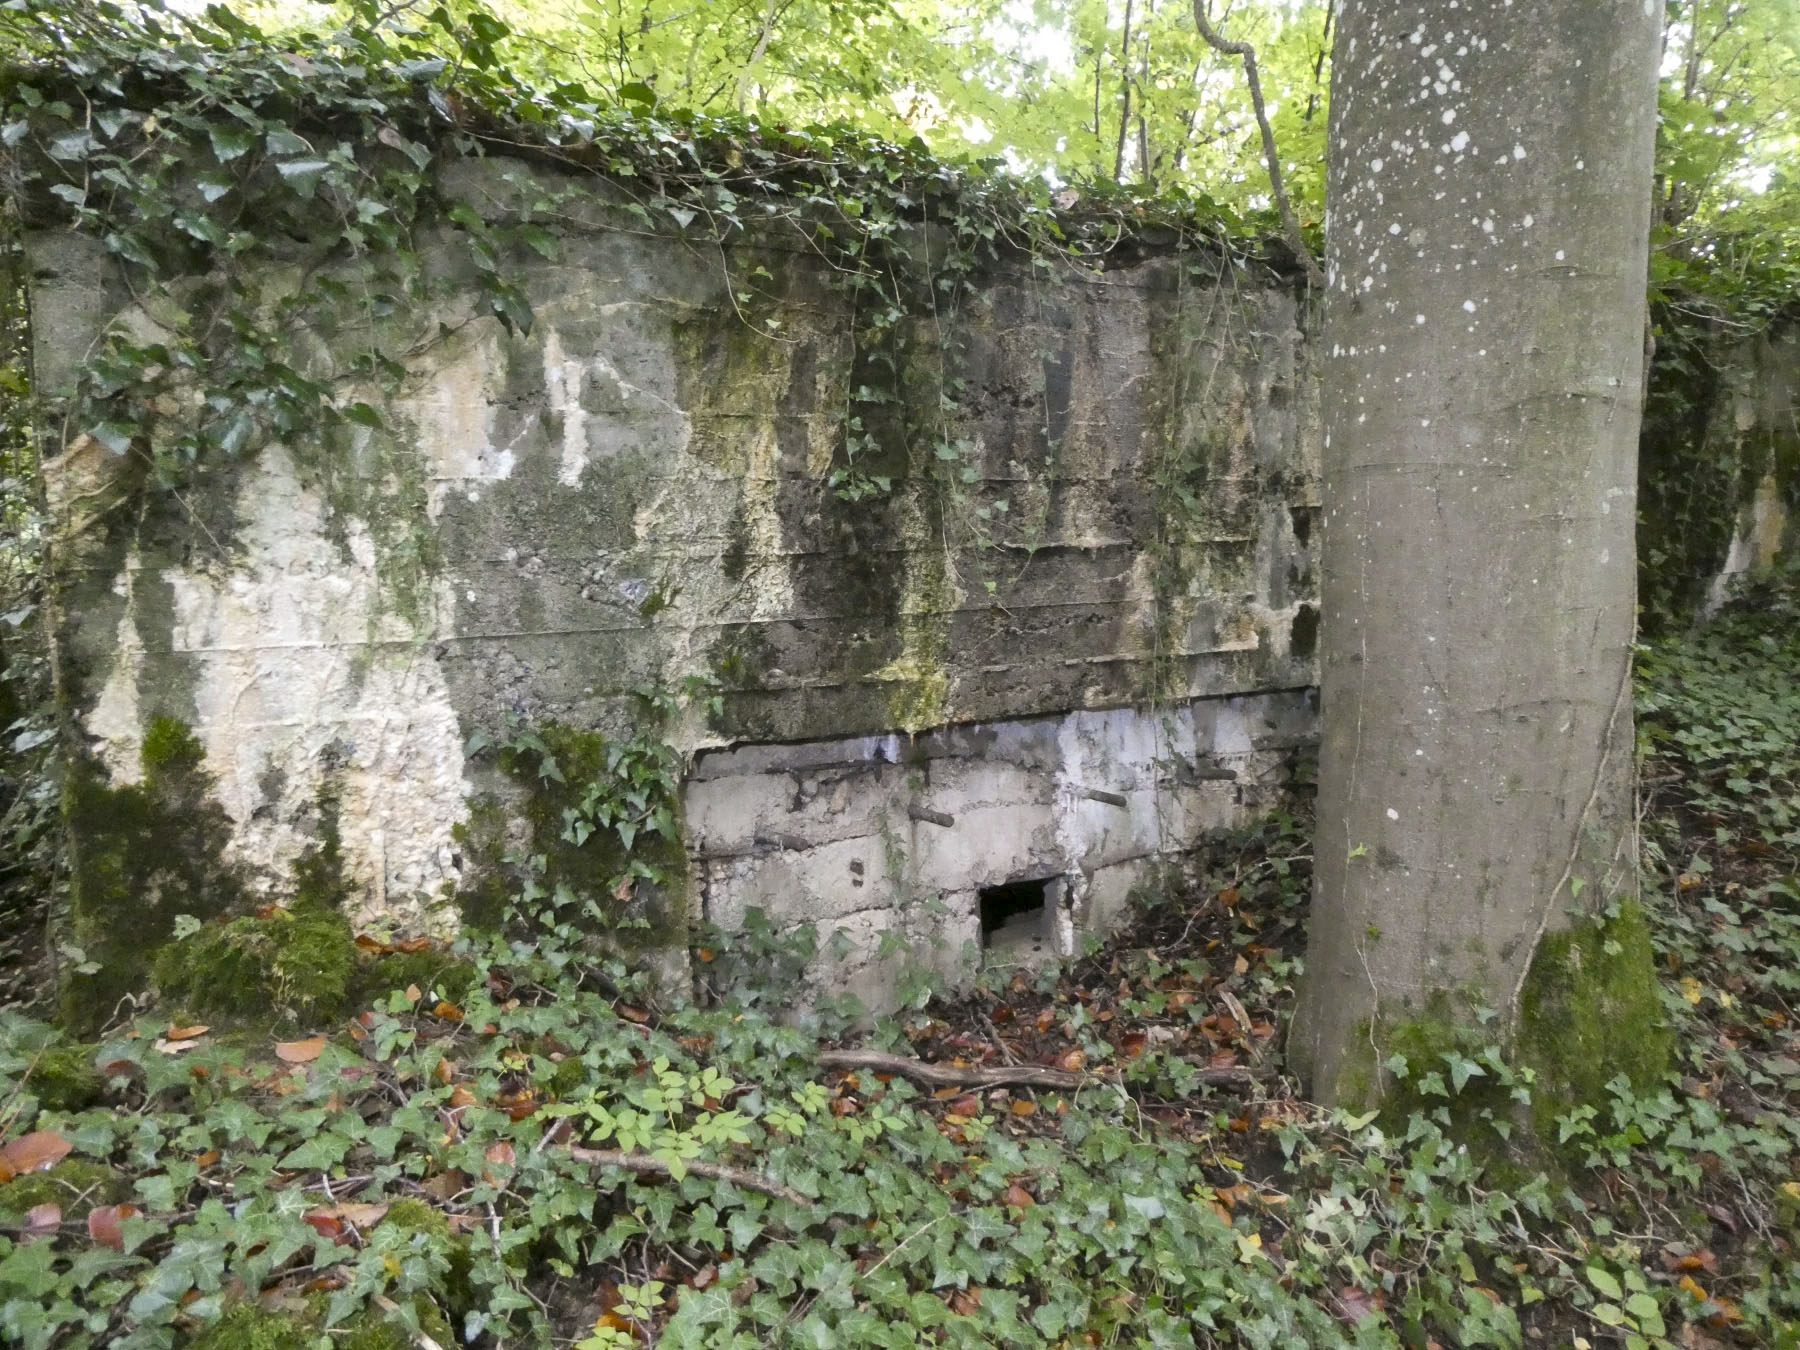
[1488,217]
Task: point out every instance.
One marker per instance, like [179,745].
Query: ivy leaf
[302,175]
[1604,1282]
[228,141]
[72,145]
[1462,1070]
[512,309]
[540,240]
[284,142]
[318,1154]
[115,436]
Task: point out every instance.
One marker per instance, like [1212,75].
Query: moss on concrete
[140,855]
[1591,1011]
[918,679]
[481,838]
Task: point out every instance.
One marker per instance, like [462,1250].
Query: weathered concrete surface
[1720,469]
[1764,439]
[638,492]
[895,837]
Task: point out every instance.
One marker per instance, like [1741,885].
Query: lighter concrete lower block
[1004,843]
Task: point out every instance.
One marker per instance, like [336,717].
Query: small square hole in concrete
[1015,917]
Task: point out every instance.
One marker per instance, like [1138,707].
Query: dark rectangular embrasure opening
[1014,912]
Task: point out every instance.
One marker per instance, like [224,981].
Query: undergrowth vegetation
[529,1150]
[509,1142]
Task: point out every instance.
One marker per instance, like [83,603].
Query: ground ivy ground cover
[524,1150]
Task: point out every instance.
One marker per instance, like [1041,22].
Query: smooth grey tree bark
[1488,220]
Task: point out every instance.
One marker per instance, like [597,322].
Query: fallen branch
[643,1162]
[1011,1075]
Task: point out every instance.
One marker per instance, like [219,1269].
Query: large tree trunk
[1489,214]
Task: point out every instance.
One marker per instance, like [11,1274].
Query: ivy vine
[198,151]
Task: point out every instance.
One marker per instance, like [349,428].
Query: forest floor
[528,1151]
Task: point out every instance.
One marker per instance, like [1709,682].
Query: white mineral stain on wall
[305,686]
[563,379]
[454,417]
[116,720]
[1762,529]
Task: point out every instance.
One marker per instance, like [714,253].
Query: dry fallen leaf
[300,1052]
[445,1186]
[186,1033]
[502,1153]
[104,1224]
[38,1151]
[1023,1108]
[363,1216]
[41,1221]
[1353,1305]
[327,1226]
[1017,1197]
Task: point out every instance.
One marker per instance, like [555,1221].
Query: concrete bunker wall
[1094,574]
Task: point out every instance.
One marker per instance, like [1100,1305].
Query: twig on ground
[1006,1054]
[643,1162]
[1016,1075]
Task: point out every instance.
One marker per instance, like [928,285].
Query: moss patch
[1592,1011]
[249,1327]
[482,898]
[64,1078]
[74,1183]
[296,966]
[432,969]
[140,855]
